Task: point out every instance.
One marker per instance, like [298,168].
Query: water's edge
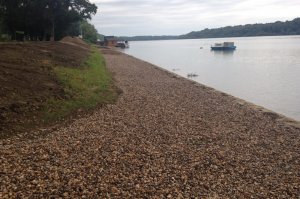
[258,71]
[278,117]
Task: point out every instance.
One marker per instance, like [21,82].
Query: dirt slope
[26,79]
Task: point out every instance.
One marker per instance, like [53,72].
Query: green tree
[1,17]
[62,13]
[277,28]
[74,29]
[89,32]
[42,18]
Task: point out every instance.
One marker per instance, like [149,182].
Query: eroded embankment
[46,82]
[166,137]
[27,80]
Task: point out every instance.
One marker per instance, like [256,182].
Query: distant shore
[166,137]
[277,28]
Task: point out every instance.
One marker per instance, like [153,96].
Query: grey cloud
[171,17]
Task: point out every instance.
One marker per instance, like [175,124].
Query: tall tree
[1,16]
[39,18]
[89,32]
[12,10]
[65,12]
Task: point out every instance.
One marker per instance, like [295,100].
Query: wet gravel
[166,137]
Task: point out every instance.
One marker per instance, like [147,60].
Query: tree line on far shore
[268,29]
[46,19]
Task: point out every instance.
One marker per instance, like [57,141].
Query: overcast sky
[175,17]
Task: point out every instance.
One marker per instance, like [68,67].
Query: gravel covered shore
[166,137]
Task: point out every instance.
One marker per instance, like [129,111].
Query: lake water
[262,70]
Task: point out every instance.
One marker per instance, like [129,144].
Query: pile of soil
[75,41]
[27,80]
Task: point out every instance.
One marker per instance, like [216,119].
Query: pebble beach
[166,137]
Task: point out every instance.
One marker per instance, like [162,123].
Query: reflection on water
[223,52]
[262,70]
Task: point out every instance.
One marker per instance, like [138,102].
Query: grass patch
[85,88]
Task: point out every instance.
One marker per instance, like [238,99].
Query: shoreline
[244,73]
[165,137]
[278,116]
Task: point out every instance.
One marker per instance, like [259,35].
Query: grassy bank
[85,87]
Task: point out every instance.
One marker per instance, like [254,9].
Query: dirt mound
[74,41]
[27,80]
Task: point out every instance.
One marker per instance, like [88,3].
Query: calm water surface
[263,70]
